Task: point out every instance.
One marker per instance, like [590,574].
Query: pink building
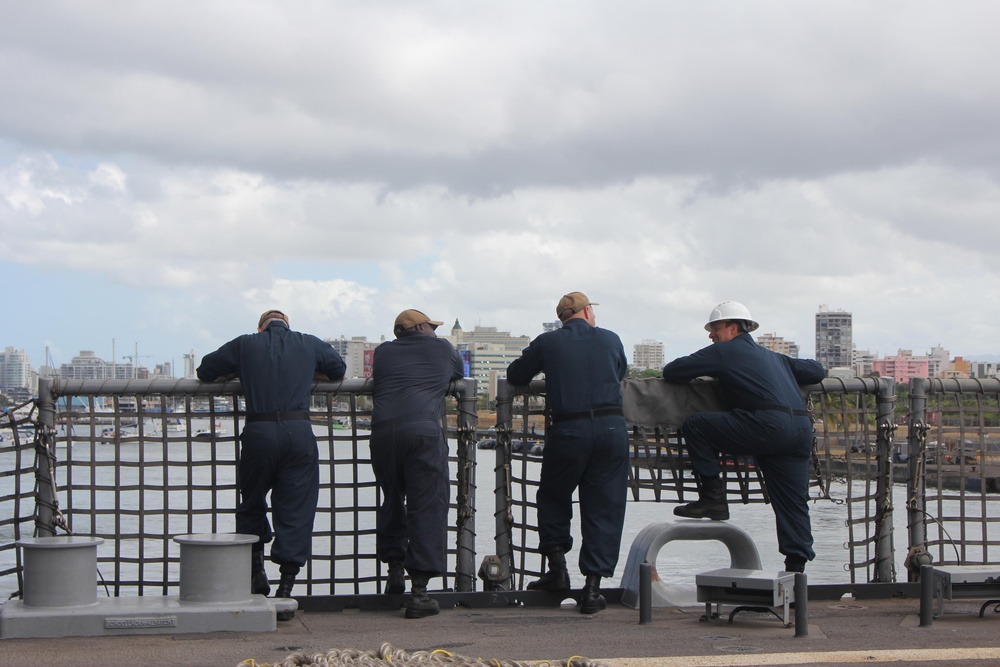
[902,367]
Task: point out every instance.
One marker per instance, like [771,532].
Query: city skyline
[177,367]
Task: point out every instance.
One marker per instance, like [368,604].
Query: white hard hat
[731,310]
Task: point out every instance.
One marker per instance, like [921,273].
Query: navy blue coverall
[278,454]
[768,421]
[586,445]
[409,449]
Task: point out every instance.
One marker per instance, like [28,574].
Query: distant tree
[636,373]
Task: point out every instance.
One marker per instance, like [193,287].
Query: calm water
[677,563]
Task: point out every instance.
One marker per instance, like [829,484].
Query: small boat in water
[208,434]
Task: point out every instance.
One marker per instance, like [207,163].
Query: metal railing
[845,413]
[140,461]
[953,450]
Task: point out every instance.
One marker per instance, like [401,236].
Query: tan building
[778,344]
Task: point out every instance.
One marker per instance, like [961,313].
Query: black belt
[277,416]
[783,408]
[586,414]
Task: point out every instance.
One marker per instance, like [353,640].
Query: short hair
[270,315]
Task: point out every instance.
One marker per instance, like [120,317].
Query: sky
[168,171]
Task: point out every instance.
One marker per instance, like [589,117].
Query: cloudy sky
[170,170]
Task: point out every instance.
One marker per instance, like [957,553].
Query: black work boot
[396,582]
[420,604]
[795,564]
[592,600]
[259,584]
[285,585]
[557,578]
[711,503]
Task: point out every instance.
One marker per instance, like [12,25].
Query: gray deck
[841,632]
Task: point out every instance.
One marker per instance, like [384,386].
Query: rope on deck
[388,656]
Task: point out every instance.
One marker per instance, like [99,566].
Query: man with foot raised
[767,420]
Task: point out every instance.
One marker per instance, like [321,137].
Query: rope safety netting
[387,656]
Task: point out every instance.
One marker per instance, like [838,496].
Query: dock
[971,477]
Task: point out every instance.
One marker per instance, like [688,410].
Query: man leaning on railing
[278,451]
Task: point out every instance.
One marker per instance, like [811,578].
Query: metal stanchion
[926,595]
[645,593]
[801,605]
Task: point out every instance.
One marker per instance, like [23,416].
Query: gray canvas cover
[653,402]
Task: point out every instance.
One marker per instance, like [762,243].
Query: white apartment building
[16,377]
[938,361]
[863,362]
[648,354]
[88,366]
[984,369]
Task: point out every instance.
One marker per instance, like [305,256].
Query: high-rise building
[16,376]
[778,344]
[834,338]
[353,351]
[648,354]
[490,353]
[190,364]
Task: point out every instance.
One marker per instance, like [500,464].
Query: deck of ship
[840,632]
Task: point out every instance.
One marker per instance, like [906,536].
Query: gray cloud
[355,159]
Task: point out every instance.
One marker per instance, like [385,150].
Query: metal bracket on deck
[731,585]
[647,544]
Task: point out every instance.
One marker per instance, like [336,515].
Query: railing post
[465,569]
[916,433]
[885,418]
[45,504]
[504,519]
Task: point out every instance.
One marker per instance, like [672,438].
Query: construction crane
[134,359]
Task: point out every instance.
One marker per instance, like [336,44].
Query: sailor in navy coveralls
[278,452]
[586,445]
[410,455]
[767,420]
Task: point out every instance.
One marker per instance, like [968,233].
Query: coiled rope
[388,656]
